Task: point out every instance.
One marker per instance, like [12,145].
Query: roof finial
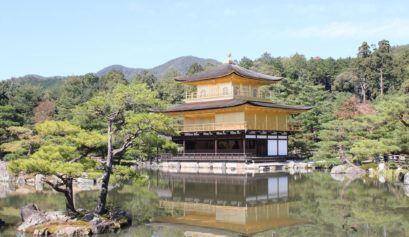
[228,59]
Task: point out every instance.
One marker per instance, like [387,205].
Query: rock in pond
[339,169]
[59,224]
[345,169]
[73,231]
[381,167]
[4,175]
[352,170]
[28,210]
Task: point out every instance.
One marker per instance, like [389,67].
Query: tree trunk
[100,209]
[402,119]
[69,197]
[363,92]
[157,153]
[67,191]
[381,82]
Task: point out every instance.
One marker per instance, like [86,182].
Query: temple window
[202,93]
[225,90]
[236,90]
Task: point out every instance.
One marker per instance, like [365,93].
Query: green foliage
[22,142]
[111,79]
[146,77]
[364,149]
[367,136]
[56,128]
[75,91]
[52,160]
[246,63]
[130,106]
[63,149]
[8,117]
[169,90]
[194,68]
[123,174]
[302,92]
[24,98]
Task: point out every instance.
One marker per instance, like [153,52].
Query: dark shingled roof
[224,70]
[220,104]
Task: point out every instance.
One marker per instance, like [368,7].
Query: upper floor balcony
[232,126]
[225,94]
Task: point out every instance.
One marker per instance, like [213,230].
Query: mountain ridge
[180,64]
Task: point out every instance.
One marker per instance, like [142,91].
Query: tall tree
[126,112]
[24,99]
[111,79]
[246,62]
[382,60]
[146,77]
[170,90]
[75,91]
[363,69]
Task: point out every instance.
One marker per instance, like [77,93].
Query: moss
[122,222]
[53,227]
[369,165]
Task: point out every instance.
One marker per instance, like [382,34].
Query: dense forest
[360,108]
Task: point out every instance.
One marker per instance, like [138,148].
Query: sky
[72,37]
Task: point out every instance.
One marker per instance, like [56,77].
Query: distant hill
[180,64]
[43,82]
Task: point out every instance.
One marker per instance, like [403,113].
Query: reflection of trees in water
[372,207]
[365,207]
[135,198]
[10,205]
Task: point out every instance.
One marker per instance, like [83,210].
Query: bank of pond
[264,204]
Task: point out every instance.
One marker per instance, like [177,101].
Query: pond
[269,204]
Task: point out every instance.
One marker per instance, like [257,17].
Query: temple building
[228,117]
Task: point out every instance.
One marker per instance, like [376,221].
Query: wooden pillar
[184,146]
[256,141]
[215,146]
[244,145]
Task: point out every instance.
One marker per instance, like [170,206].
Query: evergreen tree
[126,112]
[363,69]
[382,61]
[194,68]
[63,154]
[146,77]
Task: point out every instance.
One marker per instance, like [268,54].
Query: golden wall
[250,119]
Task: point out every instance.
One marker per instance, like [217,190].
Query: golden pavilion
[229,118]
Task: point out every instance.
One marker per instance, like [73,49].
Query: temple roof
[220,104]
[224,70]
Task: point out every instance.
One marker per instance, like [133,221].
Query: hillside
[180,64]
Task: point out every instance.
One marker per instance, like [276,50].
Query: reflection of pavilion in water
[245,204]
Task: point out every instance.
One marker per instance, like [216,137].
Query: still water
[277,205]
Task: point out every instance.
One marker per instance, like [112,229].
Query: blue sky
[48,37]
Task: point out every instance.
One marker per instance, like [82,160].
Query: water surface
[279,204]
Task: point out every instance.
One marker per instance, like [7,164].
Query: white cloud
[396,29]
